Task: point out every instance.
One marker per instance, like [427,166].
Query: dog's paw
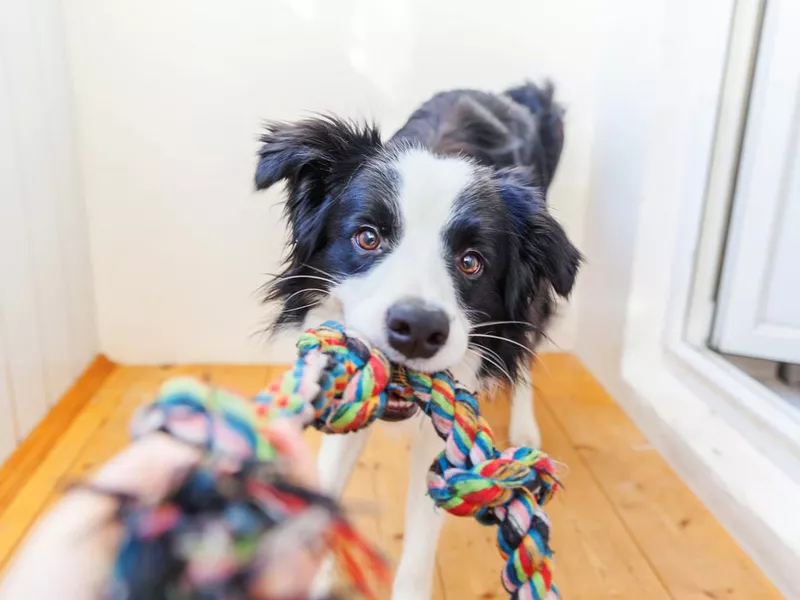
[525,432]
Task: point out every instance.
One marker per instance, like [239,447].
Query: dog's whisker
[483,348]
[305,291]
[503,339]
[477,358]
[493,354]
[337,277]
[480,356]
[295,309]
[496,360]
[317,277]
[492,361]
[490,323]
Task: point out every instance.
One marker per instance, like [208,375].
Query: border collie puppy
[436,246]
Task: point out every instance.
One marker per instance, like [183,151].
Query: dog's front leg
[423,522]
[523,428]
[336,460]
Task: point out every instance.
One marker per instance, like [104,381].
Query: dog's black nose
[416,330]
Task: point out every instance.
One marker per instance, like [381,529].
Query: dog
[437,246]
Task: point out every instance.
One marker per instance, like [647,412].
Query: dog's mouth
[398,407]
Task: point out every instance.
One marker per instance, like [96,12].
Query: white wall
[47,330]
[623,120]
[641,100]
[170,96]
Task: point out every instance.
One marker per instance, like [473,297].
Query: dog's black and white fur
[448,222]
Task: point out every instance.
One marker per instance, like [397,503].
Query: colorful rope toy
[338,384]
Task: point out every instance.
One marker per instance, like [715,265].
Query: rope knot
[466,492]
[345,379]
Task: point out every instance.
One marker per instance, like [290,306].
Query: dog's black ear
[551,249]
[318,147]
[545,253]
[314,156]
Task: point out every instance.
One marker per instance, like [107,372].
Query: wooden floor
[625,526]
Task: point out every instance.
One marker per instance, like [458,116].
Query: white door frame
[688,322]
[735,445]
[758,248]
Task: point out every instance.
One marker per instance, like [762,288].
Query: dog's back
[522,127]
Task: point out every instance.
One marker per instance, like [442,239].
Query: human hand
[71,550]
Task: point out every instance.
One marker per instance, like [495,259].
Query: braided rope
[236,514]
[339,384]
[470,477]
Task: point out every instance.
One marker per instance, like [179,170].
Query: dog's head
[430,257]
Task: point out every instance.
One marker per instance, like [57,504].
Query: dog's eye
[471,263]
[367,239]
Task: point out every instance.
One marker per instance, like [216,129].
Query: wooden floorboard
[624,526]
[693,555]
[33,449]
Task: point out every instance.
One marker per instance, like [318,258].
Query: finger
[148,468]
[288,440]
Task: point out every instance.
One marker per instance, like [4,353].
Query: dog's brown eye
[367,239]
[470,264]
